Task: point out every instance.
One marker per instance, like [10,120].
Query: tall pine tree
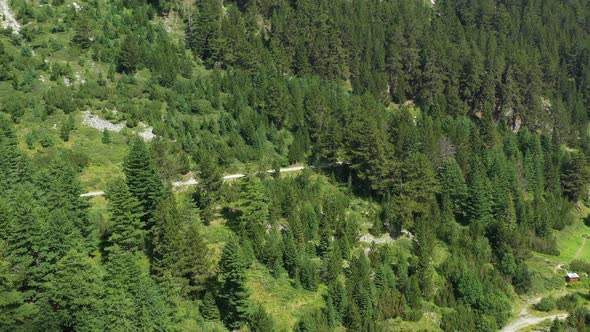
[143,179]
[234,296]
[125,212]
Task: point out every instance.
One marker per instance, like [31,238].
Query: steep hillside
[447,141]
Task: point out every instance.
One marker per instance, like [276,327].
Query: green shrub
[413,315]
[14,104]
[46,140]
[31,141]
[569,302]
[106,136]
[546,304]
[60,97]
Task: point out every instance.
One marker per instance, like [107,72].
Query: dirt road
[526,319]
[192,182]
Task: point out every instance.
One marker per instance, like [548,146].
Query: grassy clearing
[284,302]
[548,272]
[426,323]
[103,160]
[572,244]
[571,240]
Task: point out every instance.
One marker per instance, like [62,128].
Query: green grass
[426,323]
[548,271]
[572,242]
[281,300]
[569,243]
[104,160]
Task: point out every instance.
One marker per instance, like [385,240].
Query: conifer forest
[295,165]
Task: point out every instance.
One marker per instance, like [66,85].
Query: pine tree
[178,249]
[106,136]
[210,182]
[453,182]
[126,226]
[64,132]
[208,308]
[478,205]
[397,214]
[233,294]
[417,181]
[59,235]
[298,148]
[130,54]
[166,238]
[556,326]
[71,299]
[143,179]
[84,30]
[275,100]
[332,263]
[360,287]
[424,249]
[5,60]
[308,272]
[290,253]
[413,293]
[195,261]
[14,167]
[59,187]
[133,300]
[261,321]
[368,148]
[330,311]
[15,105]
[254,213]
[206,28]
[24,237]
[15,314]
[352,318]
[575,176]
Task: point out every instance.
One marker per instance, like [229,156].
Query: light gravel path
[525,318]
[192,182]
[522,322]
[93,193]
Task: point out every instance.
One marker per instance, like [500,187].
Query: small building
[572,277]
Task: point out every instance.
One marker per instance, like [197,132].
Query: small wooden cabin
[572,277]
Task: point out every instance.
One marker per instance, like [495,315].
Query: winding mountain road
[192,182]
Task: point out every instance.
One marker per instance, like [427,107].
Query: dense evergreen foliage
[458,130]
